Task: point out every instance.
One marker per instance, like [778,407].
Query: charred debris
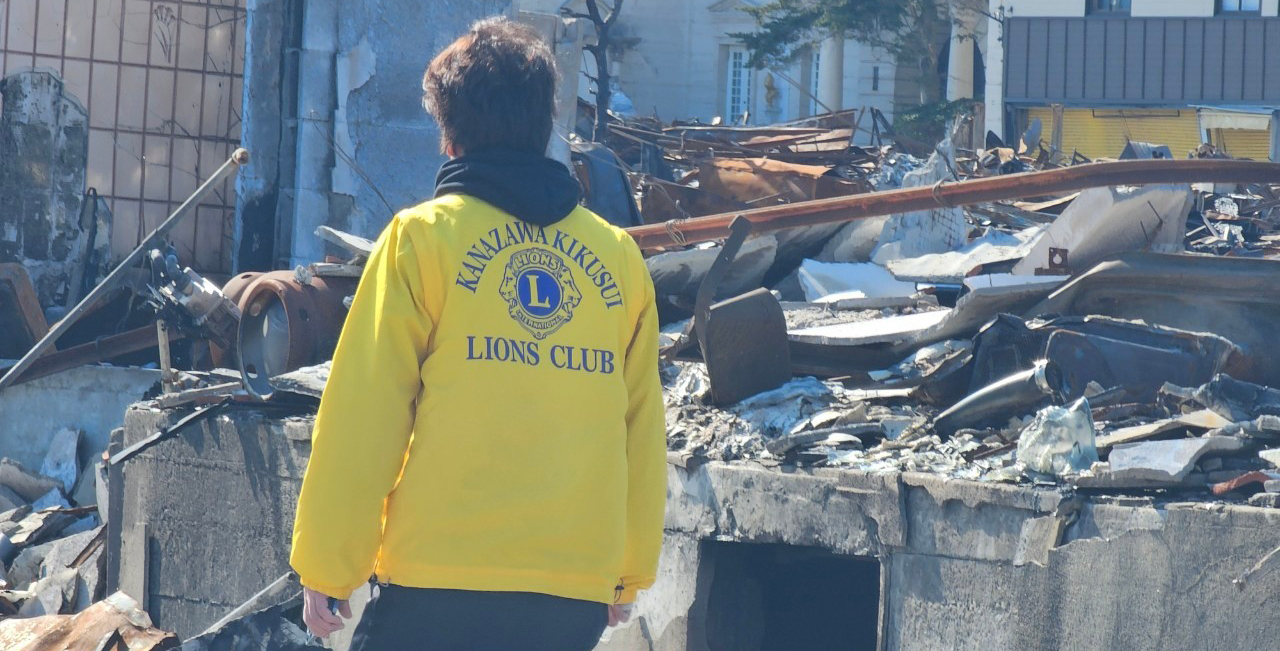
[831,297]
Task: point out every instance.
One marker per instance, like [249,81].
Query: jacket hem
[583,588]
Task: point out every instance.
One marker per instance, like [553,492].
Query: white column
[964,27]
[995,70]
[565,35]
[831,74]
[960,66]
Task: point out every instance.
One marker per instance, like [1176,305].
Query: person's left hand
[321,621]
[619,614]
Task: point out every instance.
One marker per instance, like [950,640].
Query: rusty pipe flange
[233,290]
[286,325]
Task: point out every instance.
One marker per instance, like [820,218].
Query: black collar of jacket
[529,187]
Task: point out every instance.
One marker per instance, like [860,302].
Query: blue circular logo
[539,292]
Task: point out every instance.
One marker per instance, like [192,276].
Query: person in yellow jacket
[490,446]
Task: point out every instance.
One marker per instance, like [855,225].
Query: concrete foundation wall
[92,399]
[962,565]
[206,517]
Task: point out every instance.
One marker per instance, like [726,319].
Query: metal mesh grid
[161,80]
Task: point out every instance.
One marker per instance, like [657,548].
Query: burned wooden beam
[962,193]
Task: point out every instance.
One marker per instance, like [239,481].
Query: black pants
[409,619]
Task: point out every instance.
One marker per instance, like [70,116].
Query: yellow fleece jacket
[493,420]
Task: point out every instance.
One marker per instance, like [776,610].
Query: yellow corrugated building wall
[1243,143]
[1102,133]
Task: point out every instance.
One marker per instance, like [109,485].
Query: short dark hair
[494,87]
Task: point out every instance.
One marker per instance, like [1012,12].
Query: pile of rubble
[1103,338]
[1086,338]
[51,538]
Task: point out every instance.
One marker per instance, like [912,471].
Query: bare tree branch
[613,15]
[594,13]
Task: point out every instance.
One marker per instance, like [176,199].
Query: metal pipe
[130,341]
[238,158]
[962,193]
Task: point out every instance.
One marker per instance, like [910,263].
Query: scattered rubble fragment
[113,623]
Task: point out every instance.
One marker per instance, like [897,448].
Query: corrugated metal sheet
[1243,143]
[1102,133]
[1142,61]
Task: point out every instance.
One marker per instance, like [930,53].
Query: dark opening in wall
[776,597]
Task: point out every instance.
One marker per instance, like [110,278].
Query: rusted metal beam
[962,193]
[98,350]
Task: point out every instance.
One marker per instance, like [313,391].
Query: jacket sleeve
[646,451]
[365,420]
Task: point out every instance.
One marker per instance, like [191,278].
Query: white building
[677,60]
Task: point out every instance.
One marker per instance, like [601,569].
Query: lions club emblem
[539,291]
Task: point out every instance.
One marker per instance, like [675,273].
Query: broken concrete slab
[39,526]
[1204,419]
[1170,461]
[100,395]
[30,485]
[826,282]
[1271,456]
[992,281]
[1105,221]
[876,331]
[955,266]
[1265,500]
[353,244]
[61,462]
[54,594]
[307,381]
[10,500]
[47,558]
[85,492]
[1100,477]
[54,499]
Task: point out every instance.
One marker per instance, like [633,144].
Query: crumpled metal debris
[117,617]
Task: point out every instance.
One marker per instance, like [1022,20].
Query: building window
[739,85]
[1239,6]
[875,78]
[1108,6]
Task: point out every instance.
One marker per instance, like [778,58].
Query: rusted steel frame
[94,351]
[962,193]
